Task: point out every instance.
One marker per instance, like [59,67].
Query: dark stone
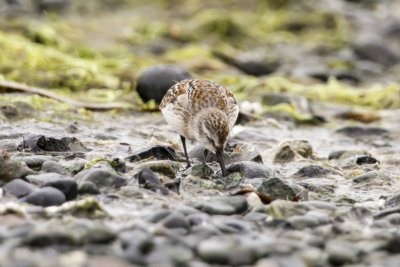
[157,151]
[43,143]
[53,166]
[377,52]
[51,238]
[68,186]
[393,245]
[176,220]
[103,177]
[198,218]
[11,169]
[370,176]
[223,205]
[174,185]
[35,162]
[393,201]
[47,196]
[356,131]
[312,171]
[154,81]
[249,169]
[336,154]
[366,160]
[158,215]
[119,165]
[149,180]
[88,188]
[42,178]
[276,188]
[19,188]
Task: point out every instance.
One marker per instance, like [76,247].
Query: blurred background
[345,52]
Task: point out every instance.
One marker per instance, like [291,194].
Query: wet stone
[176,220]
[366,160]
[87,187]
[53,166]
[149,180]
[35,162]
[154,81]
[11,169]
[157,151]
[103,178]
[393,201]
[223,205]
[312,171]
[289,150]
[19,188]
[276,188]
[356,131]
[301,222]
[47,196]
[42,178]
[68,186]
[249,169]
[341,252]
[43,143]
[372,176]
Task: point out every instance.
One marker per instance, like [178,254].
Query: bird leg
[184,149]
[205,155]
[220,157]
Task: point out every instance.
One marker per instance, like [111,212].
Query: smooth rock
[356,131]
[50,238]
[289,150]
[341,252]
[87,187]
[47,196]
[176,220]
[249,169]
[158,215]
[43,143]
[378,52]
[312,171]
[42,178]
[11,169]
[103,178]
[198,218]
[53,166]
[371,176]
[99,235]
[366,160]
[35,162]
[68,186]
[283,209]
[223,205]
[301,222]
[19,188]
[393,201]
[154,81]
[276,188]
[137,239]
[157,151]
[149,180]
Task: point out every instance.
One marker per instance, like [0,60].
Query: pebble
[288,151]
[149,180]
[176,220]
[42,178]
[312,171]
[301,222]
[223,205]
[249,169]
[53,166]
[157,151]
[87,187]
[154,81]
[342,252]
[35,162]
[356,131]
[47,196]
[68,186]
[11,169]
[43,143]
[276,188]
[372,176]
[378,52]
[198,218]
[366,160]
[102,178]
[19,188]
[393,201]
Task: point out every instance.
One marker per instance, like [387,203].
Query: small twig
[11,85]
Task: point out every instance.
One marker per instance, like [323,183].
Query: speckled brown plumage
[202,111]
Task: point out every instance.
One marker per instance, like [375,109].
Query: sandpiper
[201,111]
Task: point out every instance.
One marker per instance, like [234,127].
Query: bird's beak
[220,157]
